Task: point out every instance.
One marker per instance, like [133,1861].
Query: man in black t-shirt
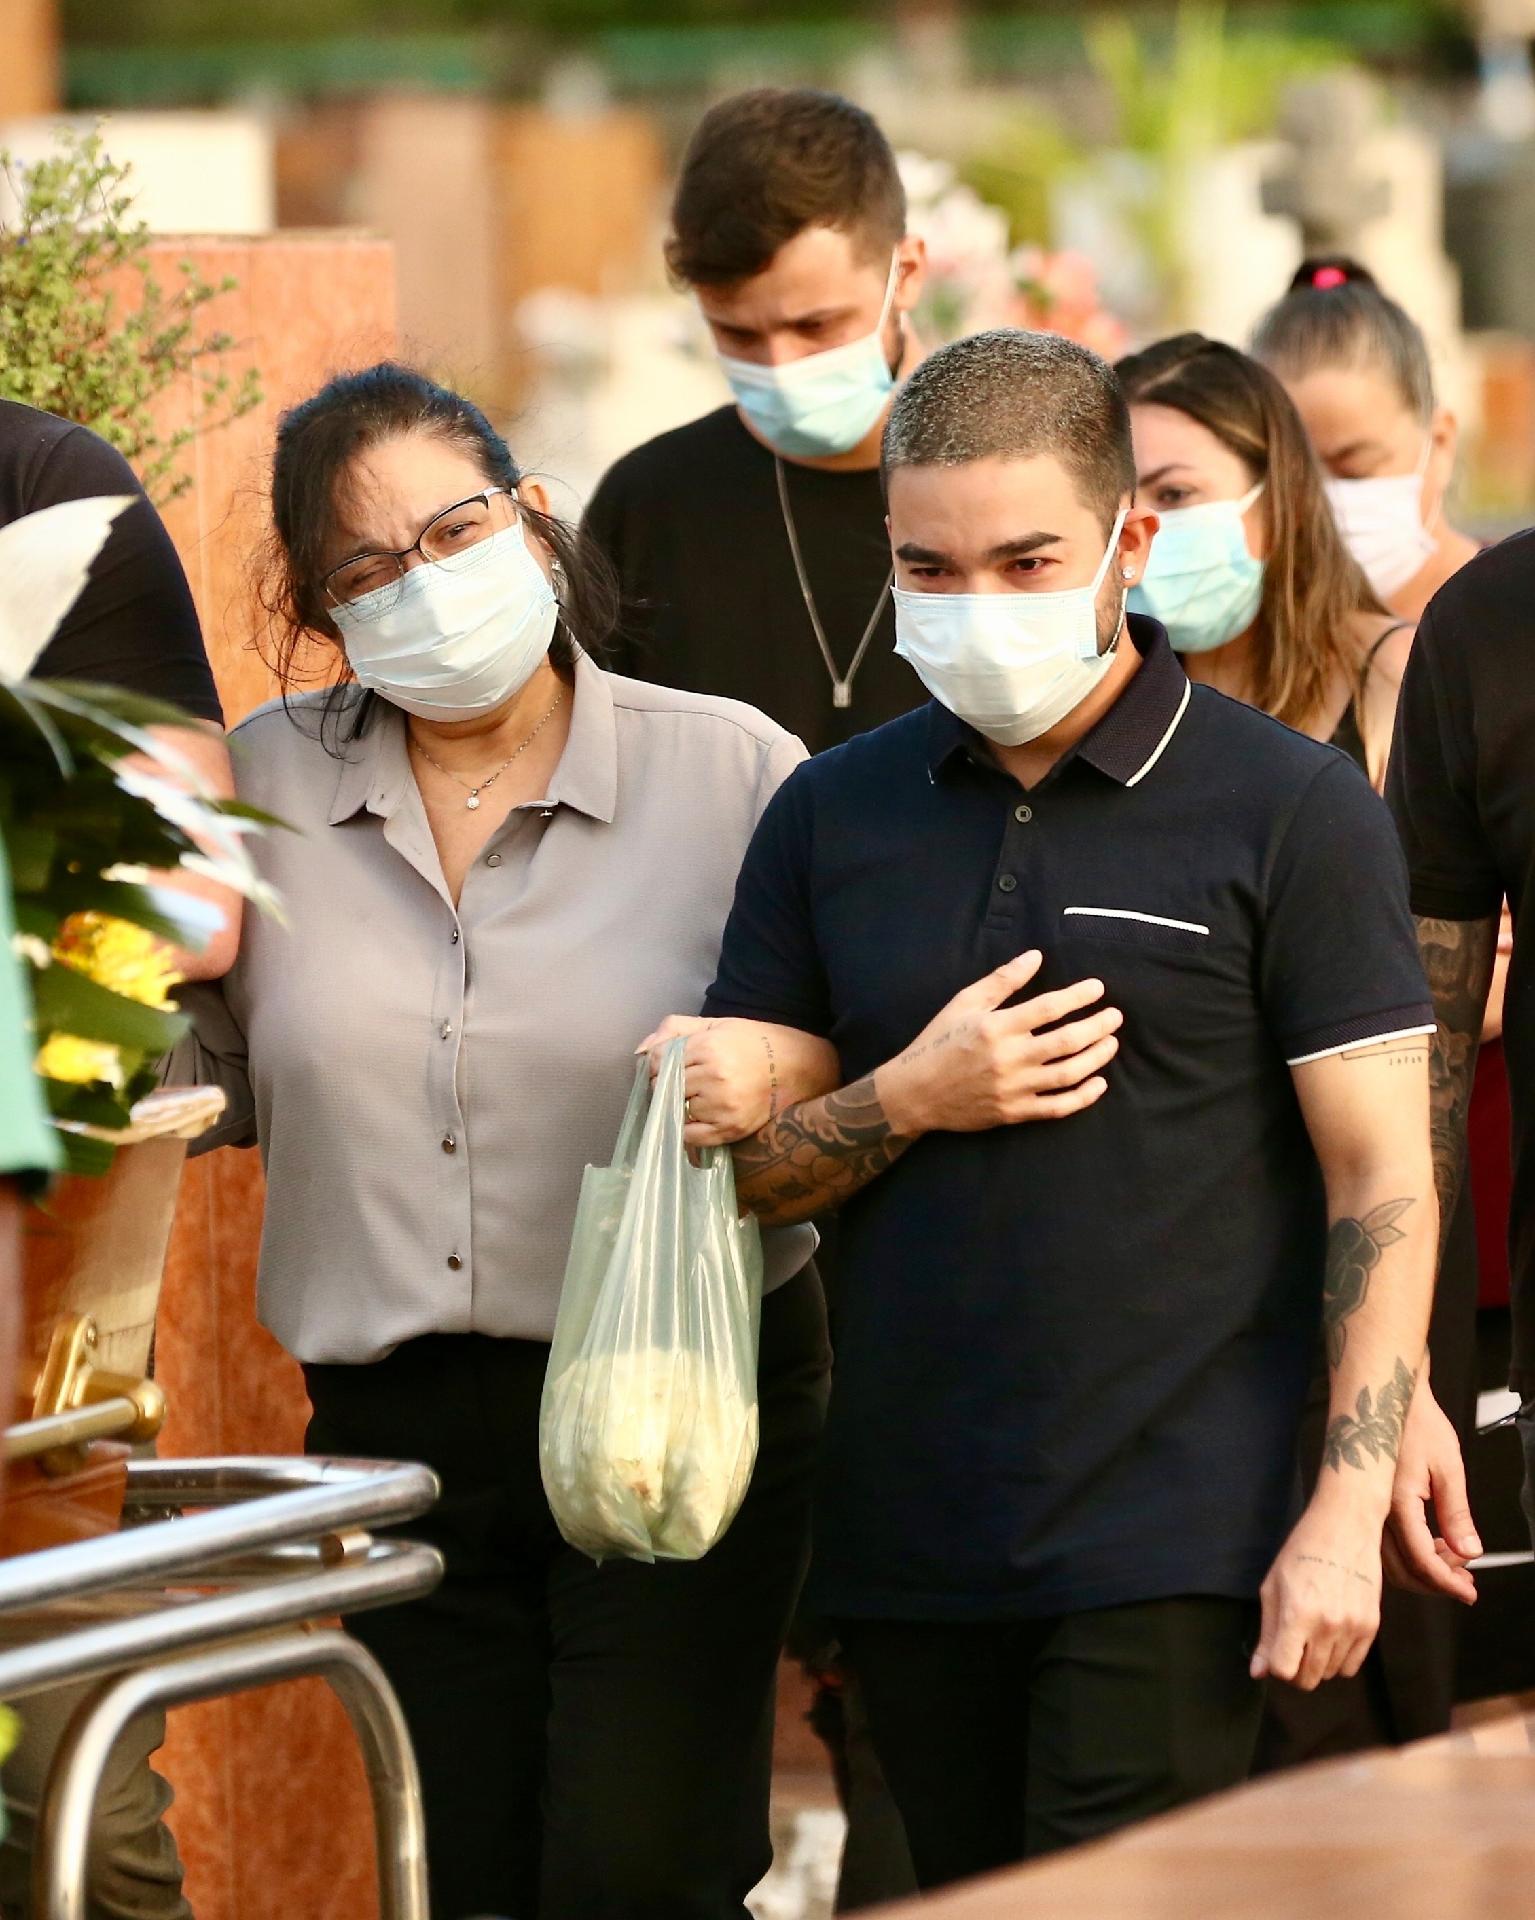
[134,625]
[1462,786]
[750,544]
[1126,994]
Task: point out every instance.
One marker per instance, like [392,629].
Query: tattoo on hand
[818,1153]
[1371,1429]
[1317,1560]
[1354,1248]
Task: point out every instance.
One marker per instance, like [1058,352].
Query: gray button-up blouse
[426,1083]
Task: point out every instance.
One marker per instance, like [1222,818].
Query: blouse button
[454,1263]
[449,1144]
[455,936]
[493,860]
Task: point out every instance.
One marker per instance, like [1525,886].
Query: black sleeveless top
[1346,735]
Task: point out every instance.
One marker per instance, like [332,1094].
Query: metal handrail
[389,1572]
[64,1828]
[99,1421]
[283,1542]
[270,1503]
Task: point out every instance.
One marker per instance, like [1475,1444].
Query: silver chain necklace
[841,684]
[491,778]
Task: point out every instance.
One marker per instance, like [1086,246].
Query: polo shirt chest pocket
[1137,930]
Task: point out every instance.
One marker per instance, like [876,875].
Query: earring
[1128,572]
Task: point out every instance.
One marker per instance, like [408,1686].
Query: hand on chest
[1173,942]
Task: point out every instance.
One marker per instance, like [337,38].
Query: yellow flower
[119,956]
[79,1062]
[126,960]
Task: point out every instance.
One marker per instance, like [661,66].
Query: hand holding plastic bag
[648,1427]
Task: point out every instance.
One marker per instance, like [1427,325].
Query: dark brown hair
[765,165]
[1335,315]
[317,443]
[1312,586]
[1017,394]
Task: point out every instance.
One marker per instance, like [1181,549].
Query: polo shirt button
[1006,884]
[454,1263]
[1023,815]
[493,860]
[449,1144]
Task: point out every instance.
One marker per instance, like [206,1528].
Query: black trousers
[1005,1740]
[593,1741]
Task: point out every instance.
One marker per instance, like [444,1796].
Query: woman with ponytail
[1357,368]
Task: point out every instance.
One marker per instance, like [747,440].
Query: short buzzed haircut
[1017,395]
[765,165]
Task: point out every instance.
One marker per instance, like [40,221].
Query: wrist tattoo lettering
[1318,1560]
[772,1060]
[1373,1428]
[1354,1248]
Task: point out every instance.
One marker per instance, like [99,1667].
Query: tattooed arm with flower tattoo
[1367,1111]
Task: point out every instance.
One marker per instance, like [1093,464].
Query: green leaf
[67,1002]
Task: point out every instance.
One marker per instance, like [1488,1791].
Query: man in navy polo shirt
[1091,1234]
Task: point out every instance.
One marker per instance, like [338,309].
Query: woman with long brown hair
[1259,592]
[1249,574]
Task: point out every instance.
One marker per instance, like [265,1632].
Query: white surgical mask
[1008,664]
[824,403]
[1201,581]
[447,643]
[1381,521]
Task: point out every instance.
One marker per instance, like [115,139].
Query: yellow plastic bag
[648,1425]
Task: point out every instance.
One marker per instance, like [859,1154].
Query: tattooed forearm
[1354,1248]
[1458,957]
[816,1155]
[1375,1429]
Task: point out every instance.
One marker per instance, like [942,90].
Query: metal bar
[394,1570]
[64,1825]
[70,1428]
[220,1479]
[331,1496]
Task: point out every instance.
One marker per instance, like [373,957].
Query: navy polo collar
[1130,738]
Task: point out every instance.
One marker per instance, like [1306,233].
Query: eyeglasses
[456,538]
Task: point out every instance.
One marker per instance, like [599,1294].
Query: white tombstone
[191,172]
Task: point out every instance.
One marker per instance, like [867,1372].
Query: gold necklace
[490,779]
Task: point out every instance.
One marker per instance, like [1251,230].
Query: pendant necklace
[491,778]
[841,684]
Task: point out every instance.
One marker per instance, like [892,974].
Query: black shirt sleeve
[134,625]
[1431,783]
[607,523]
[770,965]
[1340,963]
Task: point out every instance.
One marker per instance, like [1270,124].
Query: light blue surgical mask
[824,403]
[1200,580]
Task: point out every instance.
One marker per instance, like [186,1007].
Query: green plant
[86,329]
[1179,95]
[89,812]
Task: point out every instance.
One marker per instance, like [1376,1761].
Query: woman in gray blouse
[507,867]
